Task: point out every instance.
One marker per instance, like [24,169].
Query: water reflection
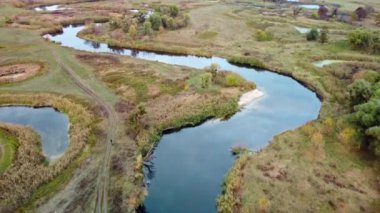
[52,126]
[189,165]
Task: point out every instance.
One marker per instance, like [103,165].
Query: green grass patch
[247,61]
[208,35]
[8,145]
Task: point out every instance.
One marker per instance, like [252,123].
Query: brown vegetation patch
[18,72]
[26,175]
[27,168]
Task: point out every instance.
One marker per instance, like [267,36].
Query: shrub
[147,28]
[213,69]
[314,15]
[312,35]
[377,19]
[132,32]
[360,91]
[247,61]
[262,35]
[114,24]
[206,80]
[324,35]
[233,80]
[365,40]
[173,10]
[156,21]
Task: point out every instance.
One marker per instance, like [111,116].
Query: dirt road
[102,183]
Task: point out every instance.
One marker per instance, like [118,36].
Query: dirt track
[66,199]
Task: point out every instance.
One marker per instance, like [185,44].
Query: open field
[318,167]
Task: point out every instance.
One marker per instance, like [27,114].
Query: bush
[233,80]
[324,35]
[365,40]
[377,19]
[360,91]
[114,24]
[132,32]
[247,61]
[206,80]
[156,21]
[262,35]
[147,28]
[213,69]
[174,11]
[312,35]
[315,15]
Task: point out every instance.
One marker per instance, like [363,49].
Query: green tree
[360,91]
[312,35]
[132,31]
[174,11]
[147,28]
[367,117]
[324,35]
[156,21]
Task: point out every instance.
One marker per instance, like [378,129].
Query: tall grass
[247,61]
[28,171]
[8,145]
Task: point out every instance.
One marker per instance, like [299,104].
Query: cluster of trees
[362,39]
[314,35]
[146,22]
[365,102]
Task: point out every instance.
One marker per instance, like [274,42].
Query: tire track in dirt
[101,203]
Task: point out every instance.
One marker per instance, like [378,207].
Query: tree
[312,35]
[367,118]
[147,28]
[132,32]
[174,11]
[156,21]
[324,35]
[360,91]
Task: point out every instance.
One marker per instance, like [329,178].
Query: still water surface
[52,126]
[188,166]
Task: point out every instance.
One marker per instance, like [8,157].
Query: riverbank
[41,176]
[249,97]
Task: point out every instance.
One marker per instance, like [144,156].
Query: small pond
[51,125]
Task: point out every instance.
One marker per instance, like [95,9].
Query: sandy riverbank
[250,96]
